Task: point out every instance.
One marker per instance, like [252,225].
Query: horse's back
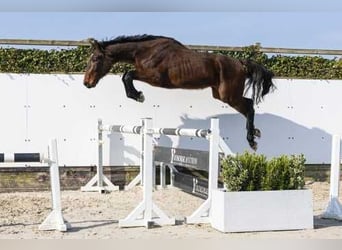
[176,66]
[154,53]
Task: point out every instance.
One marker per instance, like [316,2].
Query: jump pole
[334,208]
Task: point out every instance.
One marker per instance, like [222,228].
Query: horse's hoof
[141,97]
[257,133]
[254,146]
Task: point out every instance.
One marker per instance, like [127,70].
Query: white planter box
[261,210]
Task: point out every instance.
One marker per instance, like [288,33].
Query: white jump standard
[97,183]
[55,220]
[147,212]
[202,214]
[147,207]
[334,208]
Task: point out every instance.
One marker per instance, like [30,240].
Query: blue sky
[290,23]
[271,29]
[174,5]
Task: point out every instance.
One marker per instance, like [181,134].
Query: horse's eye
[96,58]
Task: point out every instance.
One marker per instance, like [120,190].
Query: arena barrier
[171,158]
[189,159]
[55,220]
[334,208]
[147,212]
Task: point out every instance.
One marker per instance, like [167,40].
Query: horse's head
[98,65]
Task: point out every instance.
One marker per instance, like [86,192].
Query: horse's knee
[127,77]
[124,76]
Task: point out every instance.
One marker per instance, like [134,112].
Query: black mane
[136,38]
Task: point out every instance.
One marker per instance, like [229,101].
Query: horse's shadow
[325,223]
[117,142]
[92,224]
[319,223]
[278,136]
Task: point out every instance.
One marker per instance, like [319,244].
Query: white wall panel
[299,117]
[13,110]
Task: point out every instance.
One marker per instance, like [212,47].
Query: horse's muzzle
[89,85]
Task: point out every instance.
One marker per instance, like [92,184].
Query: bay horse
[164,62]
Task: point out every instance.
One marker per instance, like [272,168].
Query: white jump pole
[334,208]
[54,220]
[202,214]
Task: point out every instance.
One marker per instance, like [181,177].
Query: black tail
[259,79]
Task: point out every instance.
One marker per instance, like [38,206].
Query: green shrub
[251,172]
[234,174]
[74,60]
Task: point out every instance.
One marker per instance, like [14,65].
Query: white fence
[299,117]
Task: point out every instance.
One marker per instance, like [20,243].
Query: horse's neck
[122,52]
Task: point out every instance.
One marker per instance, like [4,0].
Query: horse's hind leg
[245,107]
[252,132]
[131,91]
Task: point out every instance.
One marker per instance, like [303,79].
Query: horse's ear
[95,44]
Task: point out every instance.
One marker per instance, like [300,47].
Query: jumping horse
[164,62]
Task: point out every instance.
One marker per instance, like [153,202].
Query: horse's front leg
[131,91]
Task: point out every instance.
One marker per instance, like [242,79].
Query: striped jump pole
[202,133]
[334,208]
[23,160]
[21,157]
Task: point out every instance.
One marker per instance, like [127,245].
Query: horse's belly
[190,78]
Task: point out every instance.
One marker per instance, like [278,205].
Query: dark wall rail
[195,47]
